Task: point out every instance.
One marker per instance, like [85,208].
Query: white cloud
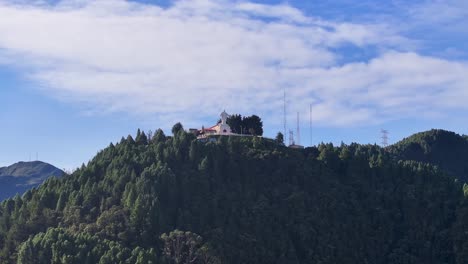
[393,86]
[205,55]
[449,13]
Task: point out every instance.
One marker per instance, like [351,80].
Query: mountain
[445,149]
[22,176]
[174,199]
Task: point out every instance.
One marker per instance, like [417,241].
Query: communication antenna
[298,130]
[291,138]
[37,156]
[284,112]
[384,137]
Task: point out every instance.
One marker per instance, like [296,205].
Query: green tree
[176,128]
[141,138]
[279,138]
[181,247]
[61,202]
[26,253]
[159,136]
[253,124]
[235,122]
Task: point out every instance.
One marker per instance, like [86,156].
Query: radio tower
[384,137]
[291,138]
[298,131]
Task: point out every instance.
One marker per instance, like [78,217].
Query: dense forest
[445,149]
[173,199]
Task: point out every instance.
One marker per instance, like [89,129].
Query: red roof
[210,128]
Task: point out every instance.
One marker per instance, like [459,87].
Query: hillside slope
[445,149]
[22,176]
[238,200]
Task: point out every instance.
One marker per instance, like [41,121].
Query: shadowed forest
[174,199]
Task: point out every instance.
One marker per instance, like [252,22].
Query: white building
[219,129]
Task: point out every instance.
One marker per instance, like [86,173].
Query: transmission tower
[291,138]
[384,137]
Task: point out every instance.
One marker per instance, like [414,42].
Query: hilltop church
[219,129]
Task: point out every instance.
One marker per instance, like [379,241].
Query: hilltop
[175,199]
[22,176]
[444,149]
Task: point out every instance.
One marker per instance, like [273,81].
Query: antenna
[37,156]
[291,138]
[284,111]
[298,130]
[384,137]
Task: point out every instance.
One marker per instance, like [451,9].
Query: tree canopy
[174,199]
[252,125]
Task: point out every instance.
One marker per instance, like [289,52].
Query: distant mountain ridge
[444,149]
[22,176]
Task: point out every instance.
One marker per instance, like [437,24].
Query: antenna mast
[291,138]
[384,137]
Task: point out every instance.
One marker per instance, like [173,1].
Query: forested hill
[445,149]
[173,199]
[22,176]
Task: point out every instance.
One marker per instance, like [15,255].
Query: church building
[219,129]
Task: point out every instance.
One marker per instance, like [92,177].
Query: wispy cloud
[205,55]
[442,13]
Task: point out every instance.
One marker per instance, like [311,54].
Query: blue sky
[76,75]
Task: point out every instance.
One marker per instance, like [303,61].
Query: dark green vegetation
[247,125]
[22,176]
[239,200]
[445,149]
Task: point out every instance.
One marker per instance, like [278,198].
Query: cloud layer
[201,56]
